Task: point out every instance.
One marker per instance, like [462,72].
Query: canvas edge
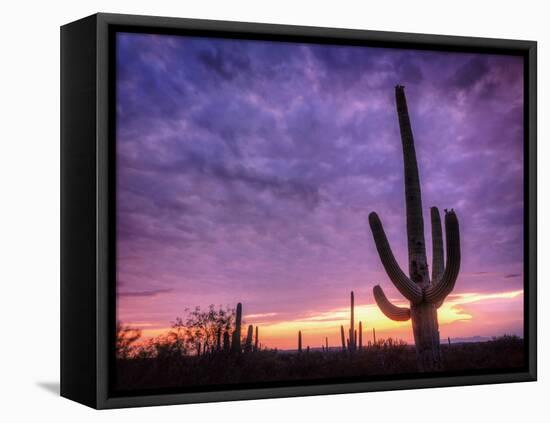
[78,333]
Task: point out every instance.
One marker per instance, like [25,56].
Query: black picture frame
[87,204]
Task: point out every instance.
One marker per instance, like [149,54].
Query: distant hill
[468,339]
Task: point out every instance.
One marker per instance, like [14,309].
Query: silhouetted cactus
[374,336]
[343,337]
[226,342]
[300,341]
[236,341]
[360,335]
[352,337]
[424,295]
[326,343]
[248,342]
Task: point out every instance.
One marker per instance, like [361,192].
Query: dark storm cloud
[247,169]
[228,66]
[469,73]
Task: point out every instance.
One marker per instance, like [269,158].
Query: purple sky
[247,170]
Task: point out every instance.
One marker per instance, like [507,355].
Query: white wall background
[29,212]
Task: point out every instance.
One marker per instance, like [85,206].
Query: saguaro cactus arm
[399,314]
[437,246]
[438,292]
[404,285]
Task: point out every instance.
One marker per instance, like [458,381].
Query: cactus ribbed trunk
[418,266]
[236,341]
[426,336]
[423,314]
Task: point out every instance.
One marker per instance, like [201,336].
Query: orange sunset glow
[458,316]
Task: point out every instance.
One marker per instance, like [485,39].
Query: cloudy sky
[247,170]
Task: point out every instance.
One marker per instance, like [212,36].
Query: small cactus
[226,342]
[236,341]
[300,341]
[343,337]
[360,335]
[352,340]
[256,340]
[248,342]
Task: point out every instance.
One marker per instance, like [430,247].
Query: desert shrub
[126,339]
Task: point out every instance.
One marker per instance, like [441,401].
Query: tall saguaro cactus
[299,341]
[236,341]
[352,340]
[424,295]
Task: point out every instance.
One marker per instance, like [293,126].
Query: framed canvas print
[256,211]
